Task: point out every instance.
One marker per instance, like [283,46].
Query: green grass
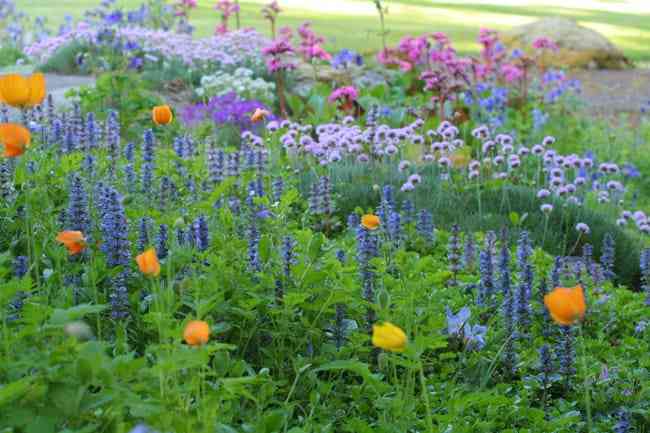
[354,23]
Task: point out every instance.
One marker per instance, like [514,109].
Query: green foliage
[272,364]
[125,93]
[10,55]
[494,206]
[64,60]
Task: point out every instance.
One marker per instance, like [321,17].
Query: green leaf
[85,370]
[292,299]
[273,421]
[315,246]
[222,428]
[15,390]
[514,218]
[265,248]
[41,424]
[61,317]
[357,367]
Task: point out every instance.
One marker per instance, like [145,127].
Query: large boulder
[580,47]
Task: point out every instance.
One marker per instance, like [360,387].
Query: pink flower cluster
[511,72]
[280,55]
[344,95]
[271,10]
[189,4]
[227,8]
[545,43]
[311,45]
[410,52]
[492,53]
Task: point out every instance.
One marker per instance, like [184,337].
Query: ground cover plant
[242,233]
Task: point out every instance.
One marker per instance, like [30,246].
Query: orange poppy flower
[259,115]
[74,241]
[148,263]
[370,221]
[566,304]
[37,89]
[196,333]
[15,139]
[162,115]
[20,92]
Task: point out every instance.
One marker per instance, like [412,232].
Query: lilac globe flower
[583,228]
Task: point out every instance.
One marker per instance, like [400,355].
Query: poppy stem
[585,380]
[480,204]
[425,396]
[93,283]
[31,244]
[545,229]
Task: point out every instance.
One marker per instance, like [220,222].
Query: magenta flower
[279,56]
[311,44]
[345,96]
[545,43]
[226,7]
[511,72]
[189,3]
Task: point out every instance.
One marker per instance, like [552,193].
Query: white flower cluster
[241,81]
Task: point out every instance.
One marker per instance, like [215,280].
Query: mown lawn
[354,23]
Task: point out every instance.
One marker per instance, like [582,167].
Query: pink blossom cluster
[233,49]
[511,72]
[271,10]
[492,53]
[280,55]
[409,53]
[184,6]
[311,45]
[345,94]
[545,43]
[227,8]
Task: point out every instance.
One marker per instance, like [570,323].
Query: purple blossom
[222,110]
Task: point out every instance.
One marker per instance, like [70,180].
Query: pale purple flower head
[391,149]
[546,208]
[583,228]
[404,165]
[407,187]
[548,141]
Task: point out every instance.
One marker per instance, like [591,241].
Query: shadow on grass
[459,204]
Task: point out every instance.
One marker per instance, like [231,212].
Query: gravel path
[58,85]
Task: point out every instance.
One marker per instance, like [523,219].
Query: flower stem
[586,381]
[425,396]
